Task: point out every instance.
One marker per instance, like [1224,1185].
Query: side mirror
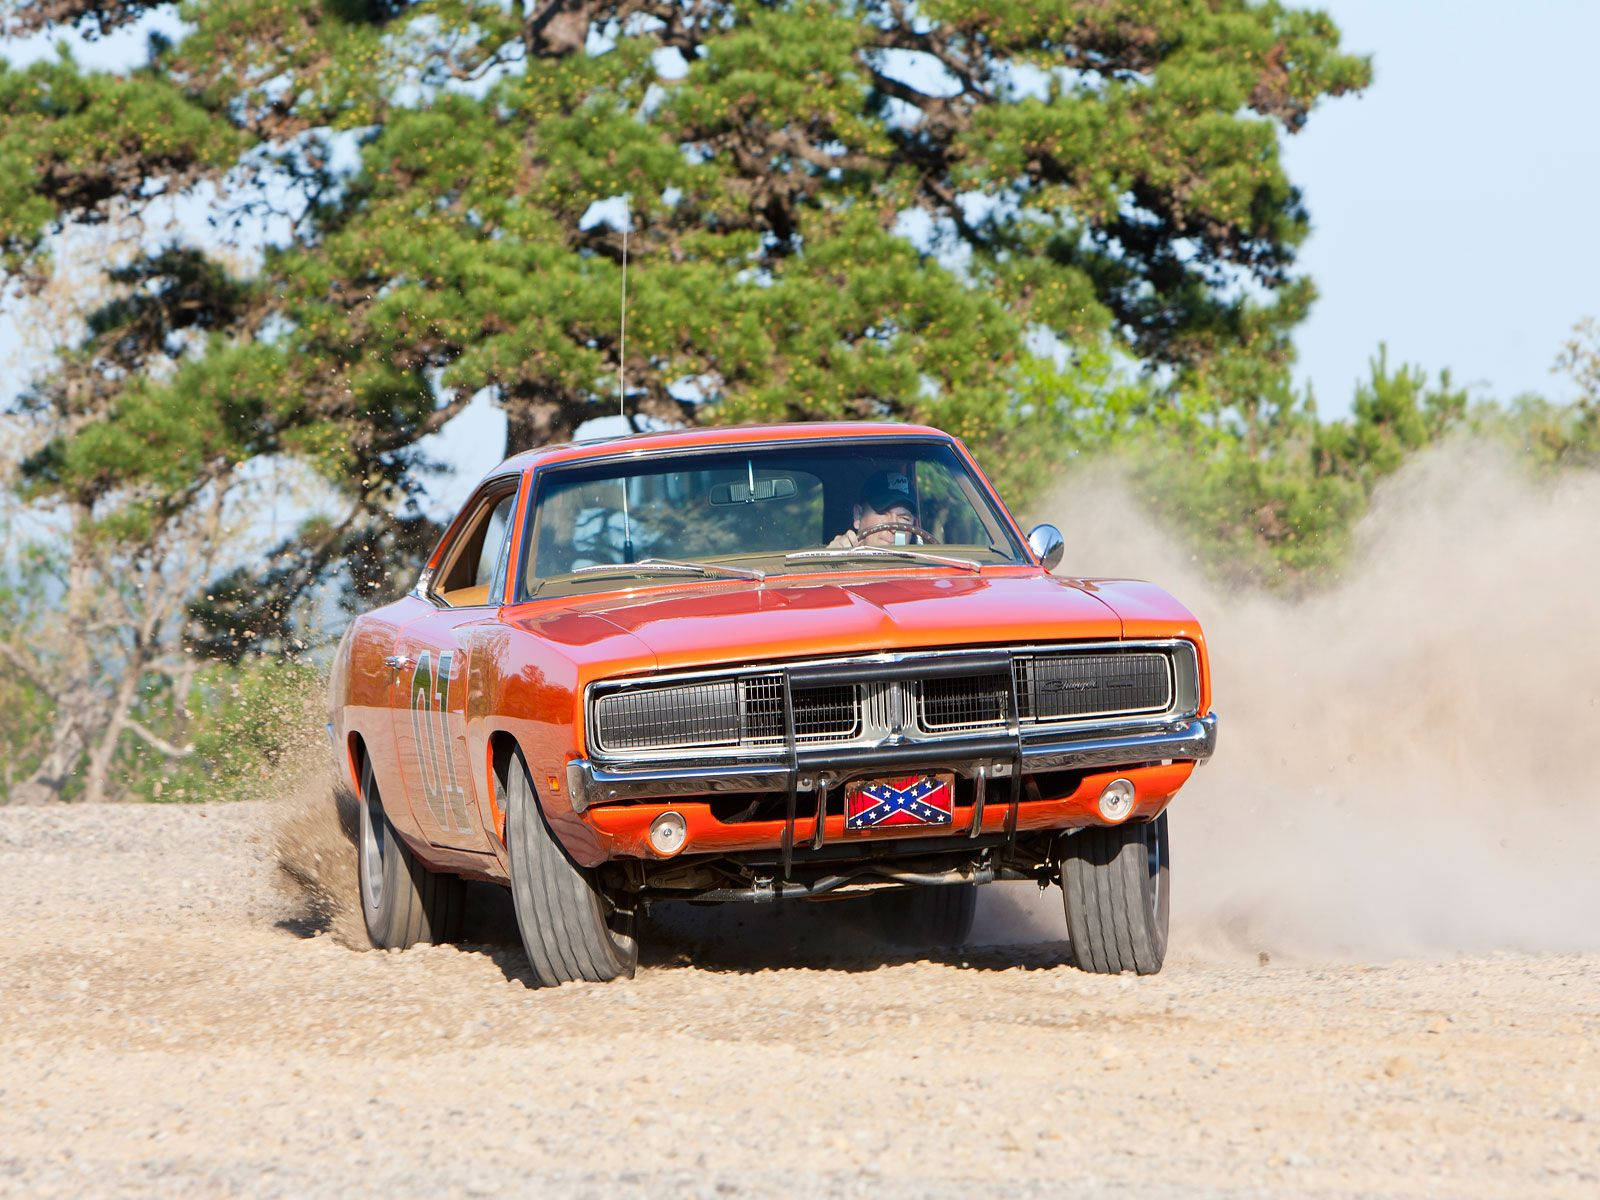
[1046,542]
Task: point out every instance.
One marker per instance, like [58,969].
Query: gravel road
[172,1023]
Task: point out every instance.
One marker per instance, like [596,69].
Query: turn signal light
[1116,802]
[668,833]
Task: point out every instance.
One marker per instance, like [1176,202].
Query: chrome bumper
[1188,739]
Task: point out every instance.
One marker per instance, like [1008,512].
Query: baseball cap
[886,489]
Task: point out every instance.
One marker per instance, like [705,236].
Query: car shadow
[318,856]
[835,936]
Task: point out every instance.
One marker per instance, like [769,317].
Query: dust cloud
[1406,760]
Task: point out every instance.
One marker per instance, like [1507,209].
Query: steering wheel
[917,534]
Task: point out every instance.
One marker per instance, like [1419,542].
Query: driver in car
[885,514]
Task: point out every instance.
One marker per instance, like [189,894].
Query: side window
[473,563]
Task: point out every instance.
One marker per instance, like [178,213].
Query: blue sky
[1453,203]
[1450,203]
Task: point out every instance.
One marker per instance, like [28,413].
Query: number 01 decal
[430,725]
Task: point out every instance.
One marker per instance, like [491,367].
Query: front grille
[698,714]
[734,712]
[1050,687]
[763,709]
[1059,687]
[829,713]
[746,712]
[964,702]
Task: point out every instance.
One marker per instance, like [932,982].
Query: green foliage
[25,730]
[1553,436]
[1394,414]
[280,67]
[1559,436]
[1277,501]
[72,140]
[1087,183]
[248,725]
[123,419]
[161,434]
[25,568]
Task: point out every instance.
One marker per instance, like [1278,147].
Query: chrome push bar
[998,756]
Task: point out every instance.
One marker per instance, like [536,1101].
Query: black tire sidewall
[927,915]
[414,904]
[373,823]
[1118,909]
[563,919]
[1159,891]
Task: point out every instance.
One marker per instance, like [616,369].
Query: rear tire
[568,929]
[402,902]
[926,915]
[1114,885]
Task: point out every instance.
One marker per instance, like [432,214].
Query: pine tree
[1034,225]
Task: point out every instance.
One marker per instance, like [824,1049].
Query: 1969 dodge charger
[794,662]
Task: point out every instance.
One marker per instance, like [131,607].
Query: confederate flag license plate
[894,803]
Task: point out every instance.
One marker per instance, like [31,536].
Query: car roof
[709,435]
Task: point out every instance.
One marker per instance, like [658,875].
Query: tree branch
[29,669]
[156,742]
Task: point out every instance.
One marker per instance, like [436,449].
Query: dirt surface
[174,1024]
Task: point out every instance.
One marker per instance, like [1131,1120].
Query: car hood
[733,621]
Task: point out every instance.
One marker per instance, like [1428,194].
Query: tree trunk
[97,773]
[73,692]
[49,778]
[533,421]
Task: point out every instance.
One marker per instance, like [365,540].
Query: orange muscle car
[790,662]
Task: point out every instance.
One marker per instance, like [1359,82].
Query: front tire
[1114,885]
[926,915]
[402,902]
[568,929]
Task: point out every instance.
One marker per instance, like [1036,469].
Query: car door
[432,708]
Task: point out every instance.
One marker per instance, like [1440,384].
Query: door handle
[398,662]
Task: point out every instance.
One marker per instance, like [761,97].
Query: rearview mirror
[778,487]
[1046,542]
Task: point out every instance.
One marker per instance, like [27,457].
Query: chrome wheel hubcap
[372,848]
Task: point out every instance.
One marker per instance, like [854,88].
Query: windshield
[763,510]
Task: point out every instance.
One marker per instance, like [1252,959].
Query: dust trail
[314,832]
[311,816]
[1406,759]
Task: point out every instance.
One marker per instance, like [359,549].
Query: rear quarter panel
[362,693]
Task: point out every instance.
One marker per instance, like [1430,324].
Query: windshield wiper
[704,568]
[658,566]
[895,552]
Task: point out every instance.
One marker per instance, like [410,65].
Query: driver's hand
[847,540]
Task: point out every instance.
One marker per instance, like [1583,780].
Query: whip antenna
[622,322]
[622,358]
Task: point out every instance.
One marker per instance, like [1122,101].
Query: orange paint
[624,826]
[521,668]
